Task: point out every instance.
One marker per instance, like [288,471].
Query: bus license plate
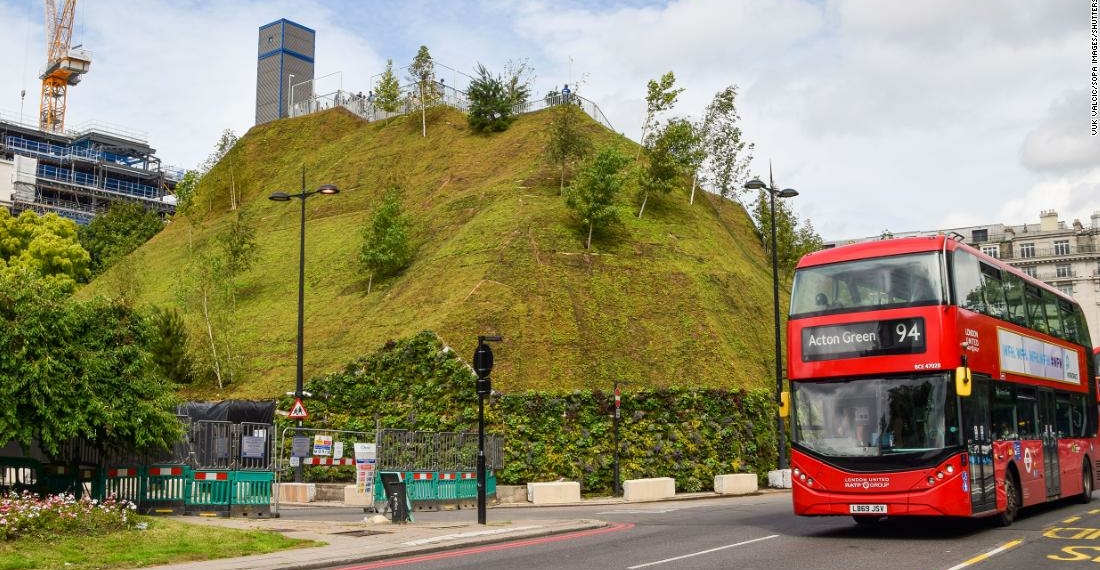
[867,509]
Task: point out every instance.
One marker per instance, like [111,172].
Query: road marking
[456,536]
[701,552]
[639,512]
[1071,520]
[1094,511]
[392,562]
[989,554]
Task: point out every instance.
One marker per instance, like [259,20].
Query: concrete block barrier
[555,492]
[354,499]
[297,492]
[649,489]
[779,479]
[736,484]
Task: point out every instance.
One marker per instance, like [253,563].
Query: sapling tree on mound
[727,155]
[387,95]
[660,97]
[422,74]
[386,248]
[670,153]
[793,238]
[208,287]
[490,104]
[566,141]
[592,193]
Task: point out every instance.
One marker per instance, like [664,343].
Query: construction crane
[64,65]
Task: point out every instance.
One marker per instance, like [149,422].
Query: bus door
[979,445]
[1049,435]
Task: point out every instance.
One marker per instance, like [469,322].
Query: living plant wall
[689,434]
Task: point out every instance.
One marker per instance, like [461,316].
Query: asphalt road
[761,533]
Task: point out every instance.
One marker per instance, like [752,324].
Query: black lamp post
[757,184]
[284,197]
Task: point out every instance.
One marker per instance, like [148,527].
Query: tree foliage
[226,142]
[490,106]
[670,153]
[75,369]
[169,345]
[117,232]
[592,194]
[727,155]
[185,192]
[208,287]
[793,238]
[518,77]
[660,97]
[386,249]
[566,140]
[387,95]
[425,92]
[47,245]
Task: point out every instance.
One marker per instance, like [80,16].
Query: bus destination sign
[870,338]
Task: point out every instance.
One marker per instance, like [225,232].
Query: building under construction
[75,173]
[79,173]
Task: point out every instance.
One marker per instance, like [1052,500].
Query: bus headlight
[931,481]
[950,469]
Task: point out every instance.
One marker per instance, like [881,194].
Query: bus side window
[994,291]
[1026,421]
[1014,299]
[1063,415]
[1069,321]
[1054,319]
[1036,316]
[1083,337]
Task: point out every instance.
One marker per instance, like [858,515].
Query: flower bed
[27,515]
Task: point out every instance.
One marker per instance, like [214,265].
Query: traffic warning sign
[298,411]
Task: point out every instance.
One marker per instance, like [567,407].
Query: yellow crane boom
[64,65]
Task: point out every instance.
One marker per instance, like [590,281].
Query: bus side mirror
[963,382]
[784,404]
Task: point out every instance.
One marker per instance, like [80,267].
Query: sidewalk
[348,543]
[355,543]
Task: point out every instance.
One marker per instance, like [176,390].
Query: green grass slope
[680,297]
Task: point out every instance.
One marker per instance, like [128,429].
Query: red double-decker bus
[928,379]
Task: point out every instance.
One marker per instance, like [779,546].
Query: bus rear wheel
[1086,484]
[1012,501]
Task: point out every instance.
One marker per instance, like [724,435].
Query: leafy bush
[27,515]
[690,434]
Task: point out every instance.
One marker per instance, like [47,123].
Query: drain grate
[359,533]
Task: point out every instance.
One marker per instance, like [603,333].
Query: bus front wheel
[1086,484]
[1012,501]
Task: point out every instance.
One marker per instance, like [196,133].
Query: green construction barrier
[208,493]
[430,489]
[19,475]
[165,489]
[58,479]
[122,483]
[251,493]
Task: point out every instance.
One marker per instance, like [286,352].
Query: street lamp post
[757,184]
[284,197]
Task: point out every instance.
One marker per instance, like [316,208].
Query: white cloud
[884,114]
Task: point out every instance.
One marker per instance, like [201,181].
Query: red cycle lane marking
[489,548]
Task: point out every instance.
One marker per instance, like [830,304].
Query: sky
[883,114]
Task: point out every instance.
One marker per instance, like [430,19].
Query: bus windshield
[872,417]
[879,283]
